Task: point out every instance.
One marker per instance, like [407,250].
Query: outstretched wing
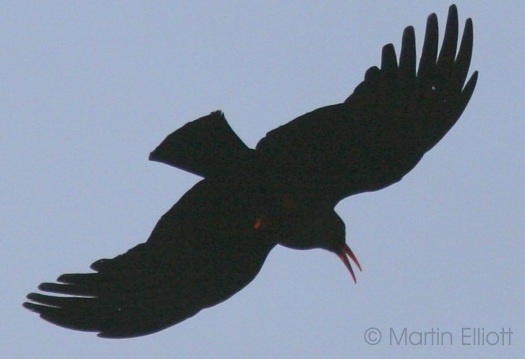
[202,251]
[385,127]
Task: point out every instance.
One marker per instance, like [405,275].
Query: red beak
[343,256]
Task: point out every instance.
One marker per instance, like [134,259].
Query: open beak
[344,255]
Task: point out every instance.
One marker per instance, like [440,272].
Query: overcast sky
[88,89]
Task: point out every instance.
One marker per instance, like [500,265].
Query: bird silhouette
[215,239]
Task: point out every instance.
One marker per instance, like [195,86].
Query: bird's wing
[202,251]
[384,128]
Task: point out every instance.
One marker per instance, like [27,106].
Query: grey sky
[88,89]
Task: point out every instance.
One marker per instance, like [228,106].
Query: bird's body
[215,239]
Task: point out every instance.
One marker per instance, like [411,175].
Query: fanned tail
[207,147]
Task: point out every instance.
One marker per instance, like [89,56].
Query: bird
[215,239]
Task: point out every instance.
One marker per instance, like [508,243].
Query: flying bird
[215,239]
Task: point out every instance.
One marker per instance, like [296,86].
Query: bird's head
[300,225]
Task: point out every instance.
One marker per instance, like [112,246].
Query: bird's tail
[207,147]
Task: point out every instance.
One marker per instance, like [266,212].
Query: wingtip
[409,29]
[28,305]
[432,18]
[44,286]
[473,80]
[469,28]
[31,306]
[452,11]
[471,84]
[388,57]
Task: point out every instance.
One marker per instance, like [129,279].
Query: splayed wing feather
[200,253]
[390,121]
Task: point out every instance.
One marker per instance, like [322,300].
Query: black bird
[214,240]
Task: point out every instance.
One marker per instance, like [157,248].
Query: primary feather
[392,119]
